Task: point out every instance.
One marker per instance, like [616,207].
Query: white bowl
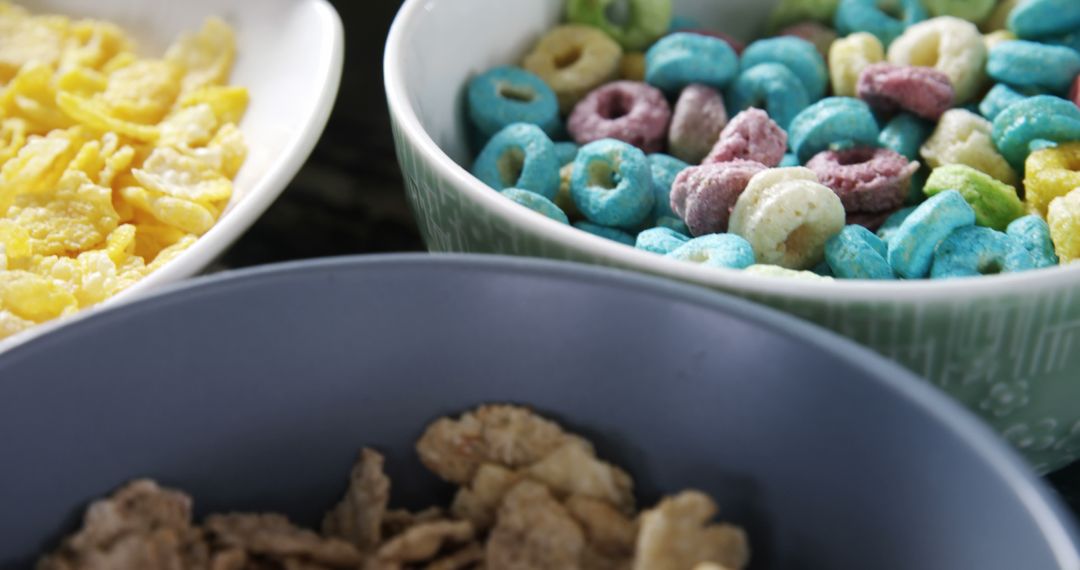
[289,56]
[1008,346]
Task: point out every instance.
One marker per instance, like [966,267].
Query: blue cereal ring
[565,152]
[679,59]
[865,16]
[664,170]
[893,222]
[716,250]
[974,251]
[536,203]
[1038,18]
[796,54]
[995,101]
[1038,118]
[1033,233]
[905,134]
[613,234]
[856,253]
[612,184]
[911,248]
[1031,64]
[660,240]
[673,223]
[1070,40]
[789,160]
[519,156]
[833,122]
[507,95]
[769,86]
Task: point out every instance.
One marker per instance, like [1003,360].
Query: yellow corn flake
[121,243]
[96,114]
[25,39]
[170,253]
[227,102]
[76,216]
[151,237]
[94,44]
[10,324]
[207,55]
[38,165]
[12,138]
[185,215]
[34,298]
[225,153]
[143,91]
[189,127]
[82,81]
[169,172]
[31,95]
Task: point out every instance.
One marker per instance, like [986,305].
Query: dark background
[349,197]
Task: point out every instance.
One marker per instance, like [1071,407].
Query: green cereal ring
[646,22]
[789,12]
[573,60]
[950,45]
[995,203]
[962,137]
[970,10]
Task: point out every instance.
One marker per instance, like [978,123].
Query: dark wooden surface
[348,198]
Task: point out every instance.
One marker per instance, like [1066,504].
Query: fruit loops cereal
[111,164]
[529,495]
[857,139]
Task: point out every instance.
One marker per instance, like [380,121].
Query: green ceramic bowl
[1006,346]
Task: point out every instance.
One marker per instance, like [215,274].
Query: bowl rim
[267,188]
[1048,513]
[840,291]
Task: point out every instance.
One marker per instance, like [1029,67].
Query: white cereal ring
[962,137]
[787,217]
[952,46]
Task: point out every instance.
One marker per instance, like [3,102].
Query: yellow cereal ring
[1051,173]
[1064,218]
[848,56]
[952,46]
[573,60]
[962,137]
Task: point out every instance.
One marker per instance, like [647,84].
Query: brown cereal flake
[534,532]
[510,436]
[478,502]
[710,566]
[573,469]
[675,535]
[607,529]
[468,557]
[421,542]
[358,517]
[273,536]
[397,521]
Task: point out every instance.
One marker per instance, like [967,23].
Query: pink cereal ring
[696,123]
[703,196]
[1074,93]
[869,181]
[630,111]
[924,91]
[731,41]
[751,135]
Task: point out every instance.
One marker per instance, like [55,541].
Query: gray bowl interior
[254,392]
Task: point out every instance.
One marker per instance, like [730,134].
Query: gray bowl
[254,390]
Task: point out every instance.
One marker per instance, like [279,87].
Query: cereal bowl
[830,457]
[1005,346]
[289,57]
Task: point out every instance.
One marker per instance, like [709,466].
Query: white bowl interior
[437,45]
[289,56]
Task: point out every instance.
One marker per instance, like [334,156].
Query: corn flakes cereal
[111,163]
